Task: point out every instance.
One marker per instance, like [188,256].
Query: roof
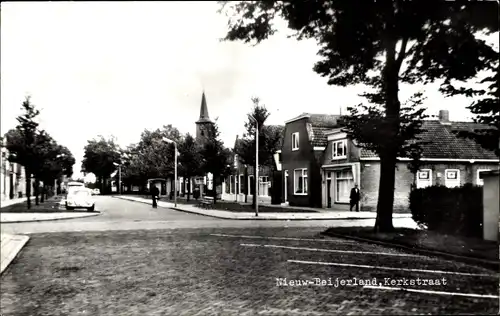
[321,123]
[204,118]
[445,144]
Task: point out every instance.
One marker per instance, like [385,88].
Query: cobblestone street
[233,271]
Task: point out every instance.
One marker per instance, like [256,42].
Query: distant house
[321,163]
[235,186]
[304,144]
[12,178]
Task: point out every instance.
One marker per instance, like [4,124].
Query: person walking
[155,195]
[354,197]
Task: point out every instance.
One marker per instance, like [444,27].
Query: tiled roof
[445,144]
[320,123]
[320,139]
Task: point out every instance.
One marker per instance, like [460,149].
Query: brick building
[322,166]
[302,152]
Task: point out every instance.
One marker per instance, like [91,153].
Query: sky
[117,68]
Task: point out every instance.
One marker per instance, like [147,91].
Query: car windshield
[81,193]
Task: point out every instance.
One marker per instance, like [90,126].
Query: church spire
[203,110]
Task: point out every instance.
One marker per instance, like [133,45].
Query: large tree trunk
[37,191]
[246,184]
[385,202]
[188,188]
[389,152]
[28,188]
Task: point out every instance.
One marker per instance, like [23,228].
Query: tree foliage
[151,157]
[190,162]
[269,137]
[215,158]
[36,150]
[100,156]
[381,46]
[269,140]
[486,108]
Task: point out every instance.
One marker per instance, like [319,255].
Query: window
[264,186]
[295,141]
[241,184]
[424,178]
[300,181]
[339,149]
[236,161]
[452,178]
[202,133]
[480,181]
[344,184]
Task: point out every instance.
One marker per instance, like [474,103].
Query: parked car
[96,192]
[80,198]
[71,186]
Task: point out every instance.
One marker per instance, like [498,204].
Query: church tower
[204,123]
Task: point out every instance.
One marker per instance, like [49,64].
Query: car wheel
[91,209]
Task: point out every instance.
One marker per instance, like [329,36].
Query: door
[329,189]
[286,186]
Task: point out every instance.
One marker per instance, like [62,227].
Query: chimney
[444,116]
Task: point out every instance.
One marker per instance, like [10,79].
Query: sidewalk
[327,215]
[38,217]
[51,209]
[11,245]
[9,202]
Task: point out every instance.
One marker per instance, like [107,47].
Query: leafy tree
[216,159]
[44,151]
[189,159]
[99,158]
[151,157]
[156,155]
[57,161]
[20,142]
[131,167]
[486,109]
[383,45]
[269,141]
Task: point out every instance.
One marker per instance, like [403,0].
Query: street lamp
[256,164]
[166,140]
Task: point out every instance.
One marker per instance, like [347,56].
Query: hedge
[456,211]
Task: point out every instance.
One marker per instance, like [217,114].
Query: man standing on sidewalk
[355,198]
[155,195]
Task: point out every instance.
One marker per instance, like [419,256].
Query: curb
[50,219]
[251,218]
[492,265]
